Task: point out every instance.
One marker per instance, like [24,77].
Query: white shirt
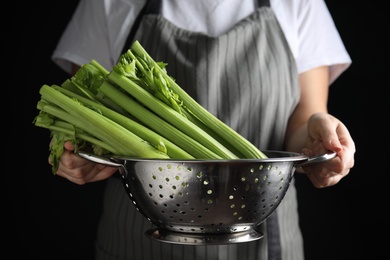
[99,28]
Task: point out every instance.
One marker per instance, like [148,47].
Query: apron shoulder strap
[262,3]
[150,7]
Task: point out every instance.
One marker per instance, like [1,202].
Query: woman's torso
[247,78]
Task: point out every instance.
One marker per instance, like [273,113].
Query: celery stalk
[124,141]
[229,135]
[134,110]
[170,115]
[157,124]
[140,130]
[69,129]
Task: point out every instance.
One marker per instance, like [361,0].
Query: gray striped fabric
[247,78]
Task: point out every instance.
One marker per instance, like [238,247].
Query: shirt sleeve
[312,35]
[319,41]
[96,31]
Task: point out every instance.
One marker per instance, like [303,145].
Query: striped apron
[247,78]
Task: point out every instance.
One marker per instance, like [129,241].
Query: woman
[262,67]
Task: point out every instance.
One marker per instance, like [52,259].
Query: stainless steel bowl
[207,201]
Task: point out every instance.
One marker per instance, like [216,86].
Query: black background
[47,217]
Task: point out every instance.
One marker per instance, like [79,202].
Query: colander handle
[317,159]
[99,159]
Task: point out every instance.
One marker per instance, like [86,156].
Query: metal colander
[208,201]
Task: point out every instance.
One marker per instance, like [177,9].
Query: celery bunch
[135,110]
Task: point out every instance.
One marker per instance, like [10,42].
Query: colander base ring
[167,236]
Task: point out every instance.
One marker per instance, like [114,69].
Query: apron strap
[150,7]
[262,3]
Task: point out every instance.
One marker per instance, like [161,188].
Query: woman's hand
[79,170]
[327,133]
